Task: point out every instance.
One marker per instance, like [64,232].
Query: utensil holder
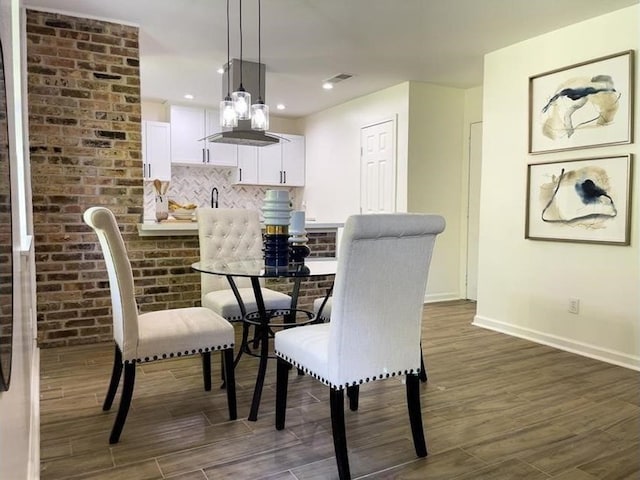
[162,208]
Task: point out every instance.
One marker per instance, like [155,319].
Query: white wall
[332,139]
[19,406]
[524,285]
[435,176]
[430,138]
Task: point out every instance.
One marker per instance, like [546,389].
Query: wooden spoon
[158,186]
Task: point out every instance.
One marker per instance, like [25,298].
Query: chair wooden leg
[115,379]
[415,415]
[353,394]
[336,400]
[230,380]
[282,384]
[125,402]
[206,370]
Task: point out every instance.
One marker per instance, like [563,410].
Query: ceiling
[380,42]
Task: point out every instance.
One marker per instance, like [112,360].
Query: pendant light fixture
[241,98]
[228,116]
[259,110]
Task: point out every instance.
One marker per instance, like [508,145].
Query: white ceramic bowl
[183,213]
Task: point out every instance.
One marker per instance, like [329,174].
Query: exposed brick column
[85,145]
[84,129]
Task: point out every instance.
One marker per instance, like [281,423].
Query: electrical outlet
[574,305]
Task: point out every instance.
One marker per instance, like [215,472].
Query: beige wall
[19,406]
[525,285]
[332,140]
[435,180]
[429,126]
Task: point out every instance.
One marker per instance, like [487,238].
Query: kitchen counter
[169,228]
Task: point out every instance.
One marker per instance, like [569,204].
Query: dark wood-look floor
[495,407]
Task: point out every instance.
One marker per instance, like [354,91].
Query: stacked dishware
[276,212]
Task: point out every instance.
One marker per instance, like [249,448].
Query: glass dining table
[255,270]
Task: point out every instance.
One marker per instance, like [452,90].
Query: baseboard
[561,343]
[441,297]
[34,420]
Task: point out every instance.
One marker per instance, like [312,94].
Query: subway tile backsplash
[193,184]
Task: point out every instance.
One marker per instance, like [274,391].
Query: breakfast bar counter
[170,227]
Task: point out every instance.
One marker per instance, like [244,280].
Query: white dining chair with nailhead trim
[376,317]
[146,337]
[322,311]
[233,234]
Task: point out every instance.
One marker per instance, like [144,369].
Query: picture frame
[584,200]
[588,104]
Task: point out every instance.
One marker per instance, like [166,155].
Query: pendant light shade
[259,111]
[260,116]
[237,106]
[228,116]
[242,103]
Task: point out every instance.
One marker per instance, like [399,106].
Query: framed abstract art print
[586,201]
[589,104]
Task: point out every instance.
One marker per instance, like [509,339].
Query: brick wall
[84,130]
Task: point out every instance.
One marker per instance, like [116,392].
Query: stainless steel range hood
[243,134]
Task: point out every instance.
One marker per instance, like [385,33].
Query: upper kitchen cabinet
[189,125]
[247,172]
[156,150]
[293,160]
[282,163]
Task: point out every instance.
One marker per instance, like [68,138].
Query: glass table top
[255,267]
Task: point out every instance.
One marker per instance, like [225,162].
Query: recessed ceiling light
[327,85]
[220,70]
[188,96]
[280,106]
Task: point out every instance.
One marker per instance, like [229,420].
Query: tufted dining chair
[322,311]
[232,233]
[376,316]
[154,335]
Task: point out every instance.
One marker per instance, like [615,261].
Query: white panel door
[473,212]
[378,168]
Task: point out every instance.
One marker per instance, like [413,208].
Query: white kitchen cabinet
[293,160]
[270,164]
[282,163]
[220,154]
[247,172]
[189,125]
[156,150]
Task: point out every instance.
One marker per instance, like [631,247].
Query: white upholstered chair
[154,335]
[376,315]
[232,233]
[322,311]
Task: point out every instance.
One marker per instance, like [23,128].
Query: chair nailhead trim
[180,354]
[352,384]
